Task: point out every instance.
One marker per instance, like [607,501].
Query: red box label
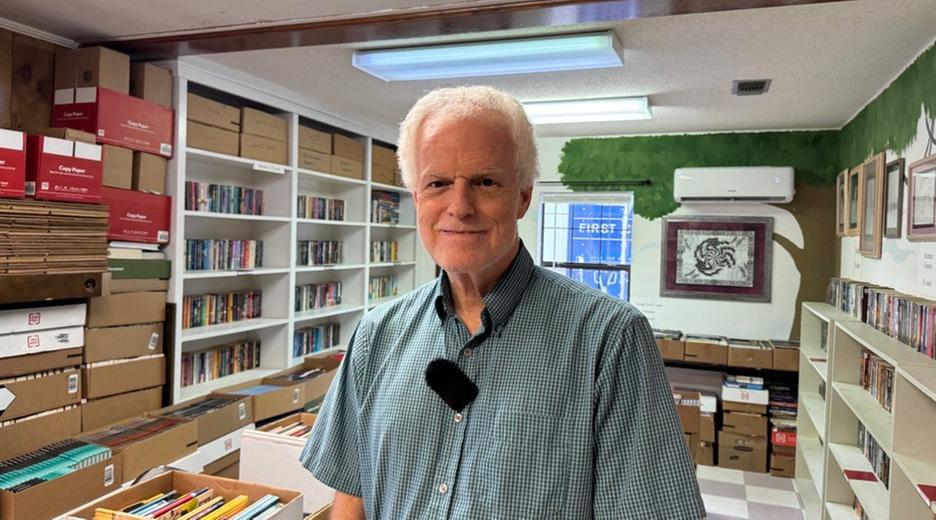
[53,174]
[12,163]
[783,438]
[119,120]
[136,216]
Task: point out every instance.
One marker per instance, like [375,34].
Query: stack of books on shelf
[782,409]
[212,363]
[320,208]
[385,207]
[316,338]
[222,254]
[222,198]
[385,251]
[214,309]
[879,460]
[382,287]
[319,252]
[49,463]
[877,377]
[317,296]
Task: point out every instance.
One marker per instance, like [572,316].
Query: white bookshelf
[829,463]
[279,227]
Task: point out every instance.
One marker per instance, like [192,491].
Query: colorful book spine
[382,286]
[220,361]
[309,340]
[319,252]
[320,208]
[222,254]
[222,198]
[385,251]
[317,296]
[213,309]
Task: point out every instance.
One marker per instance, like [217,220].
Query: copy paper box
[687,406]
[117,167]
[33,363]
[713,352]
[69,492]
[315,140]
[177,480]
[347,167]
[312,160]
[263,149]
[33,432]
[348,148]
[92,67]
[149,173]
[749,356]
[127,309]
[41,318]
[109,410]
[745,423]
[262,124]
[269,400]
[136,216]
[116,119]
[151,83]
[104,379]
[62,170]
[212,113]
[217,422]
[47,392]
[24,343]
[782,439]
[102,344]
[12,163]
[382,173]
[317,386]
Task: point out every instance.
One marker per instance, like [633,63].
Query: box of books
[35,431]
[41,362]
[670,344]
[749,353]
[216,415]
[745,423]
[315,373]
[41,341]
[34,393]
[106,343]
[785,354]
[56,478]
[706,349]
[181,495]
[62,170]
[269,400]
[746,391]
[127,309]
[687,406]
[742,452]
[12,163]
[42,318]
[321,514]
[96,413]
[118,376]
[227,466]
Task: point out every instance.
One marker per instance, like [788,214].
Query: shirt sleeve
[642,467]
[331,453]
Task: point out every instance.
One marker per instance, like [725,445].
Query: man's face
[467,194]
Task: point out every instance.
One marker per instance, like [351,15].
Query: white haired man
[573,416]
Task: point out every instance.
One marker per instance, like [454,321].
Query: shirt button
[467,352]
[442,488]
[458,417]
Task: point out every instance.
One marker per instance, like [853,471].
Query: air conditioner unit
[734,184]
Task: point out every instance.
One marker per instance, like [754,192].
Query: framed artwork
[871,204]
[921,212]
[724,258]
[853,189]
[841,203]
[893,198]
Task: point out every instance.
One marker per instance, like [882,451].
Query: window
[587,237]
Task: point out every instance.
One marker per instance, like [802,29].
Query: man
[573,418]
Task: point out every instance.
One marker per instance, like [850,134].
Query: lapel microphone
[451,384]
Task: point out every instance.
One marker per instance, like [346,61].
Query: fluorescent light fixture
[588,110]
[492,58]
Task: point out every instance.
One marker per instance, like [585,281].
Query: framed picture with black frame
[893,197]
[871,205]
[921,210]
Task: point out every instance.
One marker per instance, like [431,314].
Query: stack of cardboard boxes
[742,441]
[212,126]
[333,153]
[384,167]
[263,137]
[718,350]
[696,412]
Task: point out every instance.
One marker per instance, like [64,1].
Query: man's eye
[488,183]
[435,184]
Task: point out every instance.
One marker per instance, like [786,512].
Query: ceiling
[826,60]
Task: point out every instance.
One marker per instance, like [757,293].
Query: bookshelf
[280,227]
[832,471]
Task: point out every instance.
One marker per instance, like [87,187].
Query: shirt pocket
[523,471]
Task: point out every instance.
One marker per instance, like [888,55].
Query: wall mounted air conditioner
[734,184]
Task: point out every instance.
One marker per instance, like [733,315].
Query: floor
[730,494]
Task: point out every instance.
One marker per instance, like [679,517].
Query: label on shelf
[269,168]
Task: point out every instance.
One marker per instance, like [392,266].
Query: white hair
[462,102]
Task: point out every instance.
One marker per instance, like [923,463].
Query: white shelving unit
[279,228]
[831,471]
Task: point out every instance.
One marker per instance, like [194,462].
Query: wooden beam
[418,24]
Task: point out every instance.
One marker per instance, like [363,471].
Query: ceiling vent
[750,87]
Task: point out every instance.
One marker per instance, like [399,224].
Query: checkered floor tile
[730,494]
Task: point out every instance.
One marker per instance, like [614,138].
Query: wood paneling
[6,77]
[33,66]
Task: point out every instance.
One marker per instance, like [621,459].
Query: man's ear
[526,195]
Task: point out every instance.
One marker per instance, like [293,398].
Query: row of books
[318,296]
[385,251]
[223,198]
[222,254]
[385,207]
[308,340]
[200,408]
[879,460]
[321,208]
[382,286]
[212,309]
[319,252]
[49,463]
[877,377]
[296,429]
[198,504]
[745,382]
[908,319]
[128,432]
[219,361]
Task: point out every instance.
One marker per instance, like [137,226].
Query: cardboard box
[227,466]
[347,167]
[321,514]
[269,400]
[348,148]
[109,410]
[742,452]
[169,444]
[149,173]
[47,392]
[121,268]
[782,465]
[744,395]
[126,309]
[707,427]
[704,453]
[116,119]
[151,83]
[261,124]
[102,344]
[383,155]
[177,480]
[110,286]
[687,406]
[123,376]
[671,348]
[217,422]
[382,173]
[136,216]
[785,358]
[70,491]
[212,113]
[732,406]
[33,432]
[92,67]
[706,352]
[42,318]
[745,423]
[212,139]
[263,149]
[118,167]
[61,170]
[24,365]
[749,356]
[315,140]
[316,161]
[12,163]
[70,134]
[24,343]
[316,387]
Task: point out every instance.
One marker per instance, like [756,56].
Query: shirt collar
[500,303]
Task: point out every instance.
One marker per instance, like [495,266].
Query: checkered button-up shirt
[574,417]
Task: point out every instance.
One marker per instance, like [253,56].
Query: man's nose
[461,203]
